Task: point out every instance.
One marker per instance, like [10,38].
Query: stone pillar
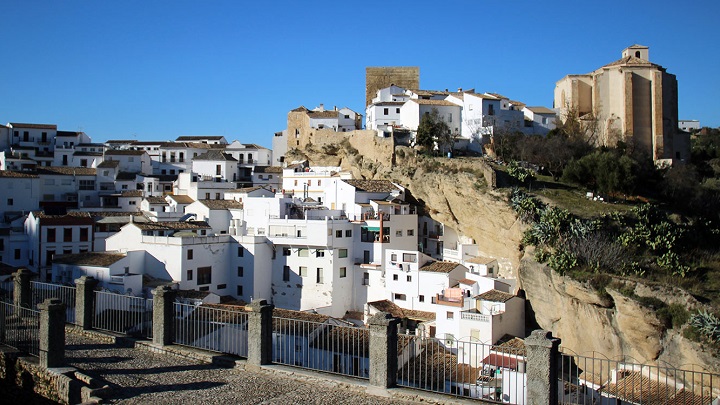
[22,294]
[260,327]
[52,333]
[542,368]
[85,301]
[163,315]
[383,350]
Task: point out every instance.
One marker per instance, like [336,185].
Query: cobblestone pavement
[140,376]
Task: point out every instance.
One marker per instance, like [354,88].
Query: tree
[433,133]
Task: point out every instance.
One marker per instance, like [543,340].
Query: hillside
[460,193]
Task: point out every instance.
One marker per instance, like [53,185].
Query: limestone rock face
[458,193]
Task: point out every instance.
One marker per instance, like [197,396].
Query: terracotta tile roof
[495,296]
[126,176]
[221,204]
[343,339]
[32,126]
[84,153]
[156,200]
[68,133]
[99,259]
[593,378]
[108,164]
[124,152]
[373,186]
[246,189]
[172,225]
[439,267]
[12,174]
[397,312]
[215,155]
[182,199]
[631,61]
[68,171]
[131,193]
[634,387]
[467,281]
[511,345]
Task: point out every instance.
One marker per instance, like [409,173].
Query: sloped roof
[495,296]
[394,310]
[109,164]
[439,267]
[541,110]
[156,200]
[215,155]
[172,225]
[124,152]
[12,174]
[632,61]
[198,138]
[434,102]
[99,259]
[131,193]
[268,169]
[221,204]
[33,126]
[68,171]
[182,199]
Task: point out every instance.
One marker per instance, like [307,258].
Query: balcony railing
[450,301]
[475,317]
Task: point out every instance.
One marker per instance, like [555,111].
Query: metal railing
[464,369]
[20,328]
[597,379]
[6,289]
[210,328]
[66,294]
[123,314]
[321,346]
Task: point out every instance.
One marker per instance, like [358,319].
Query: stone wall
[25,374]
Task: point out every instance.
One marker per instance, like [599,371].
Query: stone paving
[139,376]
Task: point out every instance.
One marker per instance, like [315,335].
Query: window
[385,111]
[221,286]
[10,201]
[400,297]
[286,273]
[343,272]
[450,315]
[348,233]
[342,253]
[204,275]
[303,271]
[218,170]
[239,290]
[207,196]
[131,159]
[132,202]
[67,234]
[86,185]
[83,234]
[241,271]
[319,277]
[303,252]
[410,232]
[203,288]
[241,251]
[338,233]
[319,253]
[17,254]
[189,275]
[409,257]
[190,254]
[397,110]
[398,232]
[51,235]
[286,251]
[421,298]
[409,278]
[395,277]
[217,196]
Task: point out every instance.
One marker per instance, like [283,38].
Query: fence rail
[595,379]
[66,294]
[20,328]
[321,346]
[6,290]
[209,328]
[123,314]
[464,369]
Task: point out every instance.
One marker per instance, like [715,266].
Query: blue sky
[155,70]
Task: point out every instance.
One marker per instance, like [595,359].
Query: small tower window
[637,54]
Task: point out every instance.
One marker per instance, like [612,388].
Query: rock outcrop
[459,193]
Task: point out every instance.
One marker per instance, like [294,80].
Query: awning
[372,228]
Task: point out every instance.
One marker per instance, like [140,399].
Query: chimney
[459,89]
[322,107]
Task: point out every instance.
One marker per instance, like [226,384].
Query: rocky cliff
[459,192]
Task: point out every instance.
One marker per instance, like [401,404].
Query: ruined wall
[377,78]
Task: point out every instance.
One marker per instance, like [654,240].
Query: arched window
[637,54]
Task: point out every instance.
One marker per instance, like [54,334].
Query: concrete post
[163,315]
[260,327]
[22,295]
[383,350]
[52,333]
[542,368]
[85,301]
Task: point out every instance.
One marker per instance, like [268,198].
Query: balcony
[473,316]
